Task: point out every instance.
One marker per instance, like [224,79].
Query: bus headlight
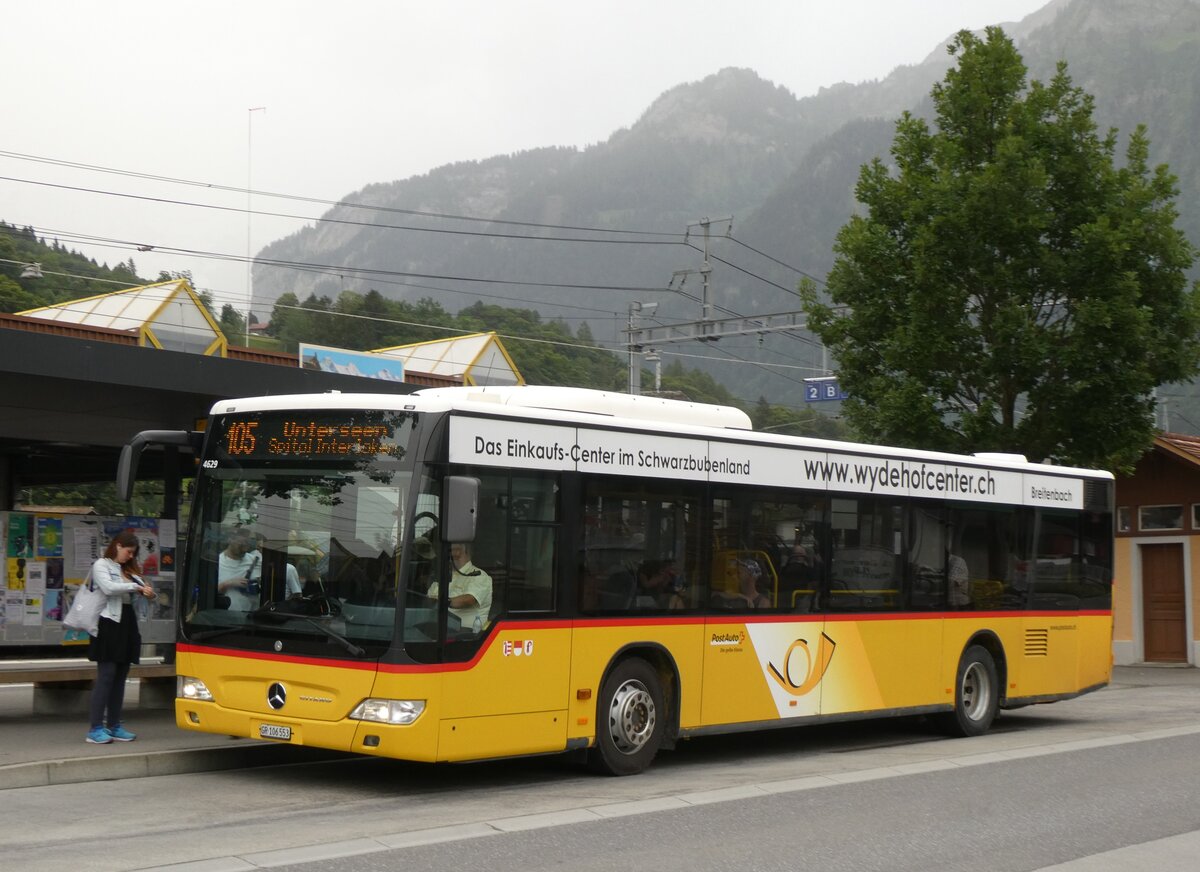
[388,711]
[187,687]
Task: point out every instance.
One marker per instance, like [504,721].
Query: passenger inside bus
[470,589]
[798,580]
[303,577]
[960,581]
[748,594]
[657,586]
[617,590]
[239,569]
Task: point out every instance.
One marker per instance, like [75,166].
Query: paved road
[1071,810]
[1051,777]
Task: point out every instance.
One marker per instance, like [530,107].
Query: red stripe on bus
[584,623]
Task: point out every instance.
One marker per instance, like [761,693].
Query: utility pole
[636,309]
[705,270]
[652,356]
[708,328]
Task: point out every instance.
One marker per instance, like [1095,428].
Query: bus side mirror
[460,508]
[132,452]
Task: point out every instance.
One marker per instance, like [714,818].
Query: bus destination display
[264,437]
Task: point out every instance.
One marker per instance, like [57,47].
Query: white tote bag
[86,608]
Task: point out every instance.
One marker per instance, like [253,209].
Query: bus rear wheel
[629,720]
[976,694]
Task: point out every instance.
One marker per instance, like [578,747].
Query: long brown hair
[125,537]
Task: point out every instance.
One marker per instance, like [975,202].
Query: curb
[120,766]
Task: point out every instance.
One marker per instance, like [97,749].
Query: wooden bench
[64,685]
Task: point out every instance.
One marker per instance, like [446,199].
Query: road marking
[1173,852]
[1120,860]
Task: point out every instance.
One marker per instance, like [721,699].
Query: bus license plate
[274,731]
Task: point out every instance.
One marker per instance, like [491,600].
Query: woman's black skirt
[117,643]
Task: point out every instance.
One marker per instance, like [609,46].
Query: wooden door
[1165,621]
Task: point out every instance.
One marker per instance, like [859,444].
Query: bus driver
[470,589]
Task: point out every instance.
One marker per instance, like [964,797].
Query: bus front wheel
[629,719]
[976,694]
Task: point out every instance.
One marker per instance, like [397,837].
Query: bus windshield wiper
[220,631]
[272,614]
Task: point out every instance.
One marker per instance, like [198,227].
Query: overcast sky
[360,92]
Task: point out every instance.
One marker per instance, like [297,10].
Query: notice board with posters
[48,556]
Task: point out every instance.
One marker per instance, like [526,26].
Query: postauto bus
[472,573]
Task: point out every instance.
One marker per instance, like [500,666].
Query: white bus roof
[565,405]
[592,402]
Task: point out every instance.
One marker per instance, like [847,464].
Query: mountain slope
[729,145]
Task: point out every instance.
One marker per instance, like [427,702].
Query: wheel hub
[976,692]
[631,717]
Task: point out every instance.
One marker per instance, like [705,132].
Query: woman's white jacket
[107,576]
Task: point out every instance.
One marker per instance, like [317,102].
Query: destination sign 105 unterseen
[313,437]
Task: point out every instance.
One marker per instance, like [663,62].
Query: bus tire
[629,719]
[976,694]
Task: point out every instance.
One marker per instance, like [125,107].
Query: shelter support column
[7,486]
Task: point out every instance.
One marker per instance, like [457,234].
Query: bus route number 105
[240,439]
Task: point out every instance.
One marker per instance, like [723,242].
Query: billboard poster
[358,363]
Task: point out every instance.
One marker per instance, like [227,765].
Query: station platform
[38,749]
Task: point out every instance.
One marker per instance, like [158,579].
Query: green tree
[102,496]
[793,422]
[233,325]
[14,298]
[699,387]
[1010,287]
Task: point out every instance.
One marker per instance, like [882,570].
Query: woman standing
[117,643]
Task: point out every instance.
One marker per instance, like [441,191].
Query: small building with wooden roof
[1156,598]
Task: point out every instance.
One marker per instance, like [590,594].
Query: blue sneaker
[120,734]
[99,736]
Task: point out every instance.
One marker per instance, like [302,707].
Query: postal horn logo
[813,669]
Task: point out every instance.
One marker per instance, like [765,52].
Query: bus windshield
[295,537]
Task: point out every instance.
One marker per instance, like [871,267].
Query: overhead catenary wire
[774,260]
[354,272]
[237,299]
[665,238]
[375,226]
[325,219]
[349,204]
[597,346]
[377,275]
[615,348]
[381,276]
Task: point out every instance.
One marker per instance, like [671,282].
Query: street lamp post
[249,213]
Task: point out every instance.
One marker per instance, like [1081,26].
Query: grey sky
[360,92]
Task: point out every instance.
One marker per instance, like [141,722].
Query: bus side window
[869,555]
[516,540]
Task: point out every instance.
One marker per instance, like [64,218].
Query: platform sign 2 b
[817,390]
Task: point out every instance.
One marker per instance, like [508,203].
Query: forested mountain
[84,277]
[729,145]
[545,351]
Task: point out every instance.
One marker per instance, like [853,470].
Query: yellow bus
[473,573]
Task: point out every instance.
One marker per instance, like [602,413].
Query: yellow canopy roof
[164,315]
[478,359]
